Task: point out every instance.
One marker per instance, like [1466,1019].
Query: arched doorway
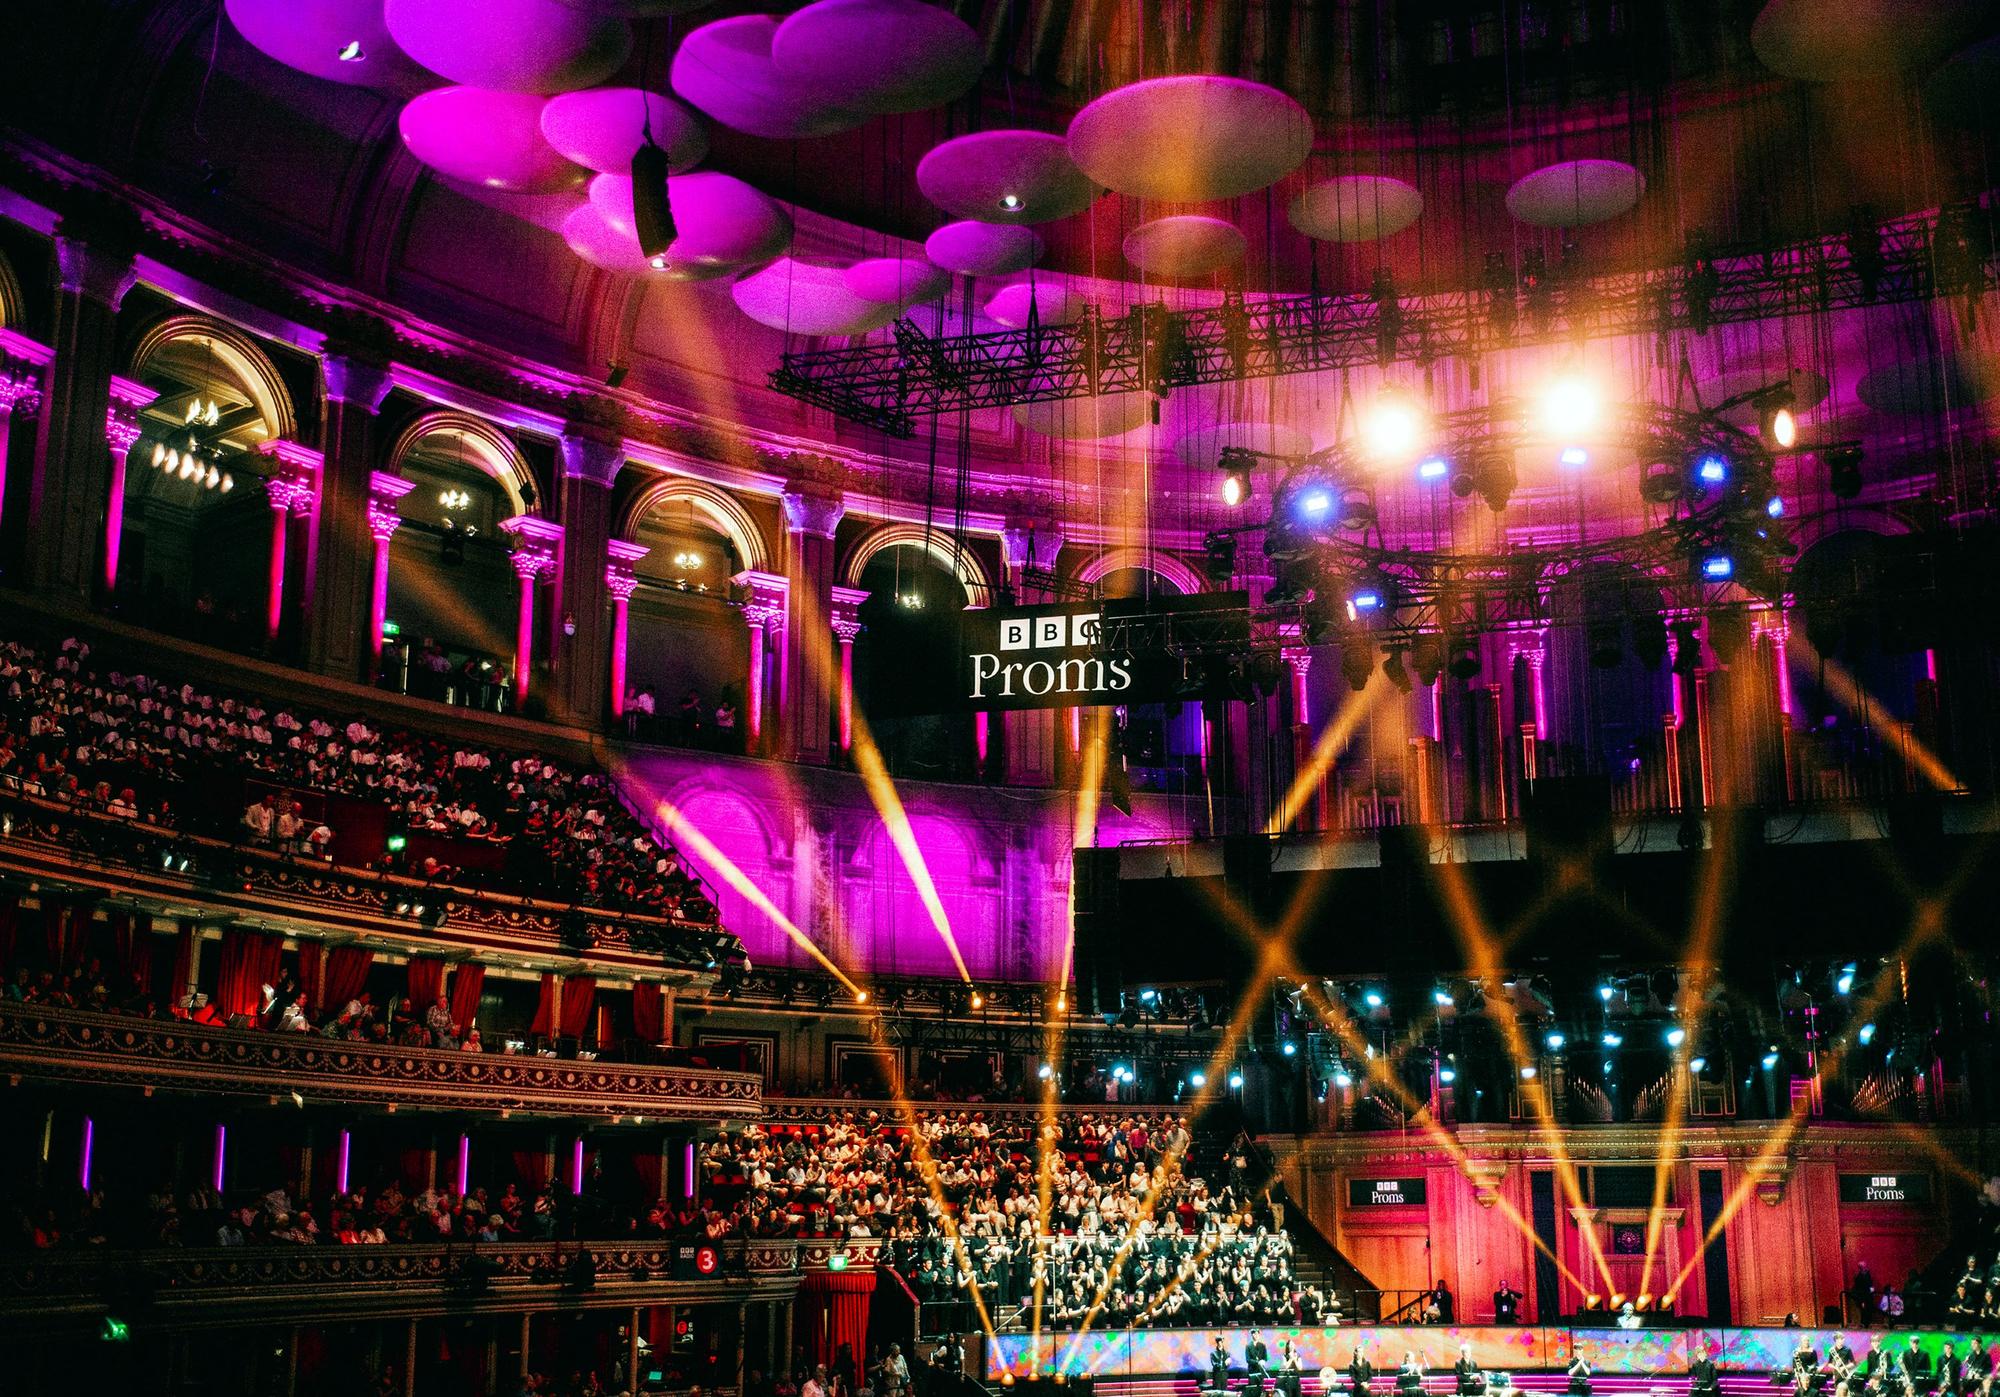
[453,597]
[687,647]
[195,542]
[906,664]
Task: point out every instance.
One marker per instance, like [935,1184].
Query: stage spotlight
[1527,1074]
[1866,1035]
[1776,420]
[1447,1075]
[1593,1302]
[1313,505]
[1372,999]
[1613,1040]
[1711,470]
[1494,477]
[1393,431]
[1771,1058]
[1197,1079]
[1357,661]
[1775,507]
[1362,600]
[1289,1048]
[1341,1079]
[1357,509]
[1555,1042]
[1574,456]
[1843,470]
[1606,993]
[1571,407]
[1218,559]
[1427,659]
[1696,1064]
[1676,1036]
[1235,480]
[1435,469]
[1045,1072]
[1441,999]
[1661,483]
[1718,567]
[1398,674]
[1236,1081]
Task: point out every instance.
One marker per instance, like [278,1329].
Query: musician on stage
[1916,1366]
[1805,1369]
[1286,1370]
[1702,1381]
[1470,1380]
[1360,1373]
[1256,1361]
[1218,1367]
[1950,1373]
[1410,1373]
[1579,1377]
[1506,1305]
[1840,1357]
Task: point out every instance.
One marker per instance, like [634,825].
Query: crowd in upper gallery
[135,745]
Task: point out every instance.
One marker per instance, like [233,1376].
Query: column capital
[1032,542]
[22,364]
[535,544]
[589,454]
[384,490]
[356,381]
[810,509]
[294,458]
[121,414]
[619,578]
[289,494]
[845,614]
[97,271]
[764,597]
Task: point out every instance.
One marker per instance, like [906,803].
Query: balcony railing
[273,1284]
[45,838]
[41,1043]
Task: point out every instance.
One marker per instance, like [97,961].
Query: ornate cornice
[38,1043]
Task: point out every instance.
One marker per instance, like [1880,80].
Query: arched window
[453,595]
[685,639]
[196,537]
[906,664]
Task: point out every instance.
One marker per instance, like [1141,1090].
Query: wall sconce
[569,623]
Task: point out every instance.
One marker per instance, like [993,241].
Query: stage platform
[1159,1362]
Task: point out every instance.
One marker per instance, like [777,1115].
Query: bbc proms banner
[1062,656]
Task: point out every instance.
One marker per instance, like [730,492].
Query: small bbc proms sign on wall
[1372,1192]
[1885,1188]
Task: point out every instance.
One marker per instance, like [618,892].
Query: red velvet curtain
[833,1310]
[531,1167]
[184,962]
[647,1165]
[346,975]
[250,960]
[544,1021]
[649,1012]
[65,927]
[426,982]
[468,979]
[132,943]
[578,993]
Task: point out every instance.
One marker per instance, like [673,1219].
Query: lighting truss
[1150,349]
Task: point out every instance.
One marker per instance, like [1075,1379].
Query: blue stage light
[1676,1036]
[1315,503]
[1575,456]
[1711,470]
[1775,506]
[1436,468]
[1367,600]
[1555,1042]
[1719,568]
[1866,1035]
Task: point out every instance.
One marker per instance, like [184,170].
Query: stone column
[290,492]
[812,513]
[591,460]
[72,481]
[122,430]
[536,544]
[346,550]
[764,611]
[620,581]
[846,626]
[383,521]
[1312,813]
[23,364]
[1030,542]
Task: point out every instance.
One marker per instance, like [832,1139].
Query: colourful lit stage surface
[1647,1352]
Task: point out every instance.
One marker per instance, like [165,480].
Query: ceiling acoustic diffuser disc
[1192,138]
[510,45]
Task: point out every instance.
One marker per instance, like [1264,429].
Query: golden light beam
[1851,692]
[1333,740]
[1476,942]
[1925,927]
[688,836]
[889,805]
[1699,961]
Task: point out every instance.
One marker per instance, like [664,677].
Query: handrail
[45,1043]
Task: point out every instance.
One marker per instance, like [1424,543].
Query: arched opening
[1160,742]
[687,649]
[195,542]
[453,595]
[1605,691]
[906,664]
[902,938]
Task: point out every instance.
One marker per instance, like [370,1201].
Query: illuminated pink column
[22,361]
[383,521]
[288,496]
[621,582]
[765,595]
[121,431]
[1298,659]
[846,626]
[535,545]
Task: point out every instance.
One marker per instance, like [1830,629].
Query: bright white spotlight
[1197,1079]
[1447,1075]
[1441,999]
[1676,1037]
[1372,1000]
[1289,1048]
[1604,992]
[1045,1072]
[1527,1074]
[1571,407]
[1784,429]
[1613,1040]
[1695,1064]
[1770,1059]
[1555,1042]
[1342,1080]
[1236,1081]
[1394,427]
[1866,1035]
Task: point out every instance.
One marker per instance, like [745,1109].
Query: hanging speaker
[652,212]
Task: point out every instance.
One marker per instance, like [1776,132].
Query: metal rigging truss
[889,385]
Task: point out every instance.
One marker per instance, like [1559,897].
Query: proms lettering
[1048,655]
